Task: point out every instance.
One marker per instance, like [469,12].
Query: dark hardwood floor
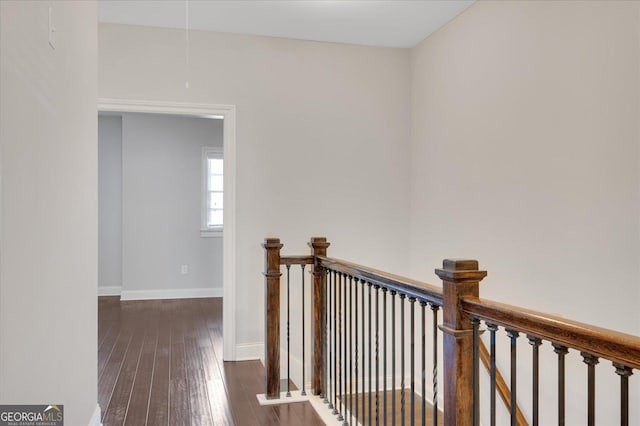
[160,363]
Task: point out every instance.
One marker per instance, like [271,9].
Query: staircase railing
[593,343]
[373,341]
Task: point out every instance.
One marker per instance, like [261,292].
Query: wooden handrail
[411,288]
[296,260]
[501,385]
[612,345]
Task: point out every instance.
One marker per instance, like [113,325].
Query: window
[212,192]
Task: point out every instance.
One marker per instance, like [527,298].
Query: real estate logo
[32,415]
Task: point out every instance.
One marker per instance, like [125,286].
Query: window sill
[211,233]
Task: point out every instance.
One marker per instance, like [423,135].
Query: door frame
[228,113]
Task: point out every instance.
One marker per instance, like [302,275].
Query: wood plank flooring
[160,363]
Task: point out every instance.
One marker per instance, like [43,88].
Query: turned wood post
[272,316]
[319,248]
[460,278]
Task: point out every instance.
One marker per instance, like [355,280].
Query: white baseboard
[183,293]
[95,418]
[249,351]
[325,413]
[316,402]
[295,396]
[109,290]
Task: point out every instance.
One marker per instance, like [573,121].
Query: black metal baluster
[591,362]
[402,397]
[423,378]
[369,417]
[356,355]
[377,345]
[384,356]
[393,358]
[492,371]
[513,335]
[434,310]
[561,351]
[476,371]
[335,344]
[345,395]
[325,357]
[288,333]
[364,355]
[348,348]
[351,348]
[303,393]
[340,338]
[535,346]
[624,372]
[412,355]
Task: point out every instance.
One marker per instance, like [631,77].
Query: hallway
[160,363]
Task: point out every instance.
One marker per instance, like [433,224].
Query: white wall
[322,133]
[524,155]
[48,244]
[110,202]
[161,167]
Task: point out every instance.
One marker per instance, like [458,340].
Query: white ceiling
[399,23]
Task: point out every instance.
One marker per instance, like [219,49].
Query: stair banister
[319,247]
[460,278]
[272,275]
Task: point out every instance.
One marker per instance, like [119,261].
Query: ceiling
[399,23]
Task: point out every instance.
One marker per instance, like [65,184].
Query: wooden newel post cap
[272,248]
[460,270]
[319,243]
[271,243]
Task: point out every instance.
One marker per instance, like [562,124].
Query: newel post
[272,316]
[319,248]
[460,278]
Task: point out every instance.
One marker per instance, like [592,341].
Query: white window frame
[208,152]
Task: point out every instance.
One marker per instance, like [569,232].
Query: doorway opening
[225,114]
